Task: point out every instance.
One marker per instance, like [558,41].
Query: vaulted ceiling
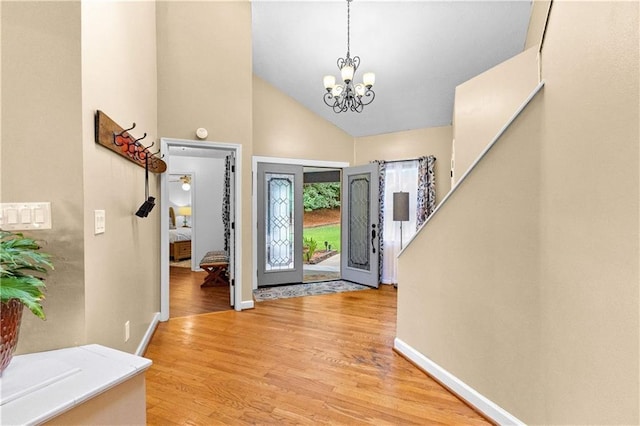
[419,50]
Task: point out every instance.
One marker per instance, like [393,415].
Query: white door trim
[165,143]
[254,196]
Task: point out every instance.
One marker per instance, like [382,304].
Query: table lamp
[184,211]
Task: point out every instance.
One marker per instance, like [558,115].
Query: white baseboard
[142,347]
[246,304]
[457,386]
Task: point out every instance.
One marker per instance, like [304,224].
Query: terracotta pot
[10,316]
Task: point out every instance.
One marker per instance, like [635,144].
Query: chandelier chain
[348,27]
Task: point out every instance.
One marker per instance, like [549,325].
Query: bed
[179,239]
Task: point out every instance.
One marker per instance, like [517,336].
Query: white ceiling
[419,50]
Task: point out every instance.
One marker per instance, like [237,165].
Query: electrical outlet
[127,331]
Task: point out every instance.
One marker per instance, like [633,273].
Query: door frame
[254,196]
[165,143]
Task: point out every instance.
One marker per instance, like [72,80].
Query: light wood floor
[309,360]
[186,297]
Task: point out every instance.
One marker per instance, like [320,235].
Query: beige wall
[531,295]
[204,80]
[42,155]
[537,23]
[434,141]
[589,213]
[59,72]
[284,128]
[124,404]
[122,271]
[471,303]
[0,103]
[484,103]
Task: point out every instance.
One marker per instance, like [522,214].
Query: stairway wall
[524,285]
[589,213]
[483,104]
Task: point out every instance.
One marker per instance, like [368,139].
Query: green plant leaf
[26,289]
[19,258]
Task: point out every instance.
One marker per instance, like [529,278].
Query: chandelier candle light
[350,96]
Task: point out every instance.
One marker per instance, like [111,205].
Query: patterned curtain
[426,189]
[381,178]
[226,204]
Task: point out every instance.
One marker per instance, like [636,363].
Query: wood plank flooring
[186,297]
[309,360]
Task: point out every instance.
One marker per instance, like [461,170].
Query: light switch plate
[25,216]
[100,222]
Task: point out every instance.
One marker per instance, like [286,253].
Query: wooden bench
[216,264]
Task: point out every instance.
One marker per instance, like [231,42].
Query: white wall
[207,189]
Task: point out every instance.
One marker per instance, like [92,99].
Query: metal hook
[147,147]
[139,139]
[126,130]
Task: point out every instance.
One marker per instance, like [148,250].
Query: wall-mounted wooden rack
[110,135]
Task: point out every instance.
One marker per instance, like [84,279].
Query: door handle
[373,237]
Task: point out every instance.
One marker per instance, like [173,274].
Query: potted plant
[21,284]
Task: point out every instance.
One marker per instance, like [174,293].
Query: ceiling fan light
[186,182]
[347,73]
[329,82]
[369,79]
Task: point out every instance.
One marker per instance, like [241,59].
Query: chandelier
[349,96]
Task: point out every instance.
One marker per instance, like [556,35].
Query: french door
[280,224]
[360,227]
[280,212]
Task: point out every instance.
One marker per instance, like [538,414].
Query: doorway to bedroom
[198,211]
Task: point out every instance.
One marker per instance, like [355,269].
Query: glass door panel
[360,256]
[279,224]
[280,221]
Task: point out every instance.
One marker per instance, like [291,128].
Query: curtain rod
[408,159]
